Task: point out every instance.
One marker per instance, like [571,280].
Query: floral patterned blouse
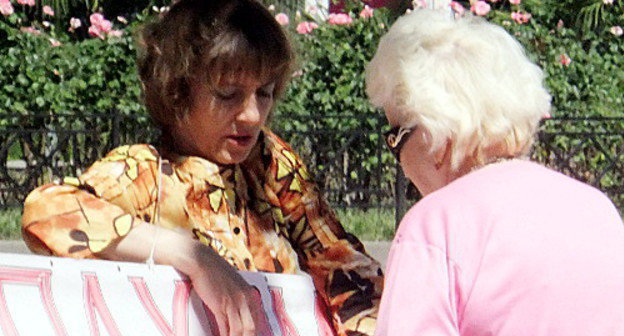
[264,214]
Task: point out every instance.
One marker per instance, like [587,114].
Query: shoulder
[273,143]
[137,152]
[427,219]
[120,168]
[128,158]
[463,207]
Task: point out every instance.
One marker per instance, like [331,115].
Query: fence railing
[346,153]
[588,149]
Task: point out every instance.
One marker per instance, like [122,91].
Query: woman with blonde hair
[221,192]
[499,245]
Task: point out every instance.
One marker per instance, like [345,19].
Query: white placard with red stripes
[58,296]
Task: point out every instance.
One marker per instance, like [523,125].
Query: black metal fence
[346,153]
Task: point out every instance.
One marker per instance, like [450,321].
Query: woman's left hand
[236,306]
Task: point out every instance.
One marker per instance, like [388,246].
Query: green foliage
[585,16]
[331,77]
[10,223]
[368,225]
[593,83]
[85,75]
[328,95]
[79,76]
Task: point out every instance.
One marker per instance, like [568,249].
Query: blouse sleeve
[347,278]
[421,295]
[79,217]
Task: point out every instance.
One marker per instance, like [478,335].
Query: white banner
[58,296]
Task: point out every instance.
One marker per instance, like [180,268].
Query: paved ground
[379,250]
[13,246]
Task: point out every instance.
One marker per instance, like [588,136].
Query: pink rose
[6,8]
[29,3]
[282,19]
[520,17]
[515,2]
[560,24]
[100,27]
[339,19]
[565,59]
[366,13]
[30,30]
[96,18]
[100,22]
[106,26]
[616,30]
[55,43]
[95,31]
[48,10]
[115,33]
[74,23]
[458,8]
[480,8]
[306,27]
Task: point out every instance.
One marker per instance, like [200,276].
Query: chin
[233,158]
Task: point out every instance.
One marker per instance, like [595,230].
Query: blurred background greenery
[53,76]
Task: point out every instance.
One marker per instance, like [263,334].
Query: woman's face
[224,121]
[417,160]
[418,163]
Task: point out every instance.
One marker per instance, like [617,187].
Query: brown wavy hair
[205,40]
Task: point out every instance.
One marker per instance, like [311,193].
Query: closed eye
[227,95]
[265,93]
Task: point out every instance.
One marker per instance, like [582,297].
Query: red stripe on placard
[180,307]
[95,299]
[39,278]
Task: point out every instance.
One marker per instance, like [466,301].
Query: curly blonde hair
[463,80]
[204,40]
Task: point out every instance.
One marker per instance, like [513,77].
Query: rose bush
[325,112]
[45,69]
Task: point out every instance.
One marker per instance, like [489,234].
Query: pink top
[511,249]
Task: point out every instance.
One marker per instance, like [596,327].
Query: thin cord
[156,217]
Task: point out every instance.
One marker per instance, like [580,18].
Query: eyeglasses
[396,138]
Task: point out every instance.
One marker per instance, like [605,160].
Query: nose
[251,112]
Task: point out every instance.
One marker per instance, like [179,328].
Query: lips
[241,140]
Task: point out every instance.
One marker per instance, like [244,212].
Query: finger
[233,319]
[247,319]
[217,320]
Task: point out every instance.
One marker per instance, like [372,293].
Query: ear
[443,155]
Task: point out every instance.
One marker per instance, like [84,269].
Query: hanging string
[156,218]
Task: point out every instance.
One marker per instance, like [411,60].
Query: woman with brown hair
[222,191]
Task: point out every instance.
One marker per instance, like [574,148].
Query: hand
[236,305]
